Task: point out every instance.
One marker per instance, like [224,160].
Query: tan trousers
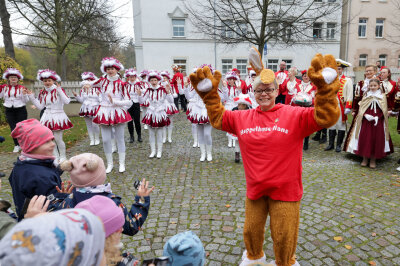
[284,225]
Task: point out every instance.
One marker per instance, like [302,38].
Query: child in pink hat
[113,219]
[88,176]
[34,172]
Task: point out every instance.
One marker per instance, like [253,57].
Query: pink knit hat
[31,134]
[85,170]
[106,209]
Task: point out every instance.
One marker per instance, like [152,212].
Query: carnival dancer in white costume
[229,92]
[197,115]
[190,94]
[156,117]
[53,98]
[250,90]
[14,100]
[90,99]
[112,112]
[132,86]
[170,108]
[144,85]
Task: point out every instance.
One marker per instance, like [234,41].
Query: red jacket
[271,144]
[174,81]
[285,76]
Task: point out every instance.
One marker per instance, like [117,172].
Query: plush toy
[275,134]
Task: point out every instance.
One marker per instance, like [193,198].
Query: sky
[123,15]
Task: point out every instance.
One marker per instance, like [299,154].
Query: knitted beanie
[106,209]
[31,134]
[85,170]
[184,249]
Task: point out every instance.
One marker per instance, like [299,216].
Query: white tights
[237,147]
[91,127]
[153,132]
[60,145]
[204,132]
[169,128]
[107,134]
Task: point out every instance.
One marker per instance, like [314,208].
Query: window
[317,31]
[382,59]
[362,27]
[318,1]
[181,63]
[362,61]
[242,29]
[379,28]
[178,27]
[331,1]
[241,65]
[289,63]
[227,26]
[330,30]
[272,64]
[226,65]
[398,61]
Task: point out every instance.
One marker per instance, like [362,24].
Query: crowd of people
[288,108]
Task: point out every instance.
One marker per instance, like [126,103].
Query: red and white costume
[170,108]
[283,76]
[291,87]
[54,117]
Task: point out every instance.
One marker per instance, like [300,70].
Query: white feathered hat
[47,74]
[130,72]
[12,72]
[252,72]
[88,76]
[165,74]
[232,75]
[110,62]
[153,74]
[144,73]
[243,98]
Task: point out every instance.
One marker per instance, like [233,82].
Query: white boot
[229,142]
[114,145]
[170,134]
[246,261]
[146,126]
[57,155]
[153,149]
[195,141]
[110,163]
[121,162]
[233,143]
[63,157]
[159,149]
[16,149]
[202,152]
[164,134]
[96,138]
[295,264]
[91,138]
[209,152]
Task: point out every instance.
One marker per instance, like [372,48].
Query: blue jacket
[134,219]
[33,177]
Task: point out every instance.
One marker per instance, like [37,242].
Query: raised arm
[324,76]
[64,98]
[206,86]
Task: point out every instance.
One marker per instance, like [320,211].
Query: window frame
[380,29]
[178,27]
[224,65]
[362,25]
[382,58]
[330,31]
[318,29]
[243,66]
[181,62]
[363,59]
[274,66]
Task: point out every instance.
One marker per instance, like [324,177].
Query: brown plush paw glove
[206,85]
[324,76]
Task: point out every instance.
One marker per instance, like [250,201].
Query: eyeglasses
[267,91]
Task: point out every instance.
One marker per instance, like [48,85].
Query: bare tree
[262,21]
[61,22]
[6,31]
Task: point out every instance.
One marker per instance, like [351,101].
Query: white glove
[369,117]
[347,111]
[329,74]
[394,113]
[175,95]
[376,120]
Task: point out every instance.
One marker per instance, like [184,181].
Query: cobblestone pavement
[340,199]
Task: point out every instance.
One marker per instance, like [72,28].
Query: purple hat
[106,209]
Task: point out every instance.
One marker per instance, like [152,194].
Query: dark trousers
[280,99]
[183,101]
[15,115]
[134,111]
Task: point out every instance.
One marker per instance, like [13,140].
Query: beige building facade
[370,34]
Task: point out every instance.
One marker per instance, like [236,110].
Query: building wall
[371,45]
[156,48]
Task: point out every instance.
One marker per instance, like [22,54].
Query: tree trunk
[7,37]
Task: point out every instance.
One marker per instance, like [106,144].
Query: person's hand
[353,113]
[58,84]
[347,111]
[279,80]
[86,86]
[178,81]
[74,93]
[224,83]
[37,205]
[168,88]
[323,71]
[185,82]
[110,98]
[26,91]
[144,190]
[65,189]
[139,91]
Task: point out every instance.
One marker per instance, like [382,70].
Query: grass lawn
[71,136]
